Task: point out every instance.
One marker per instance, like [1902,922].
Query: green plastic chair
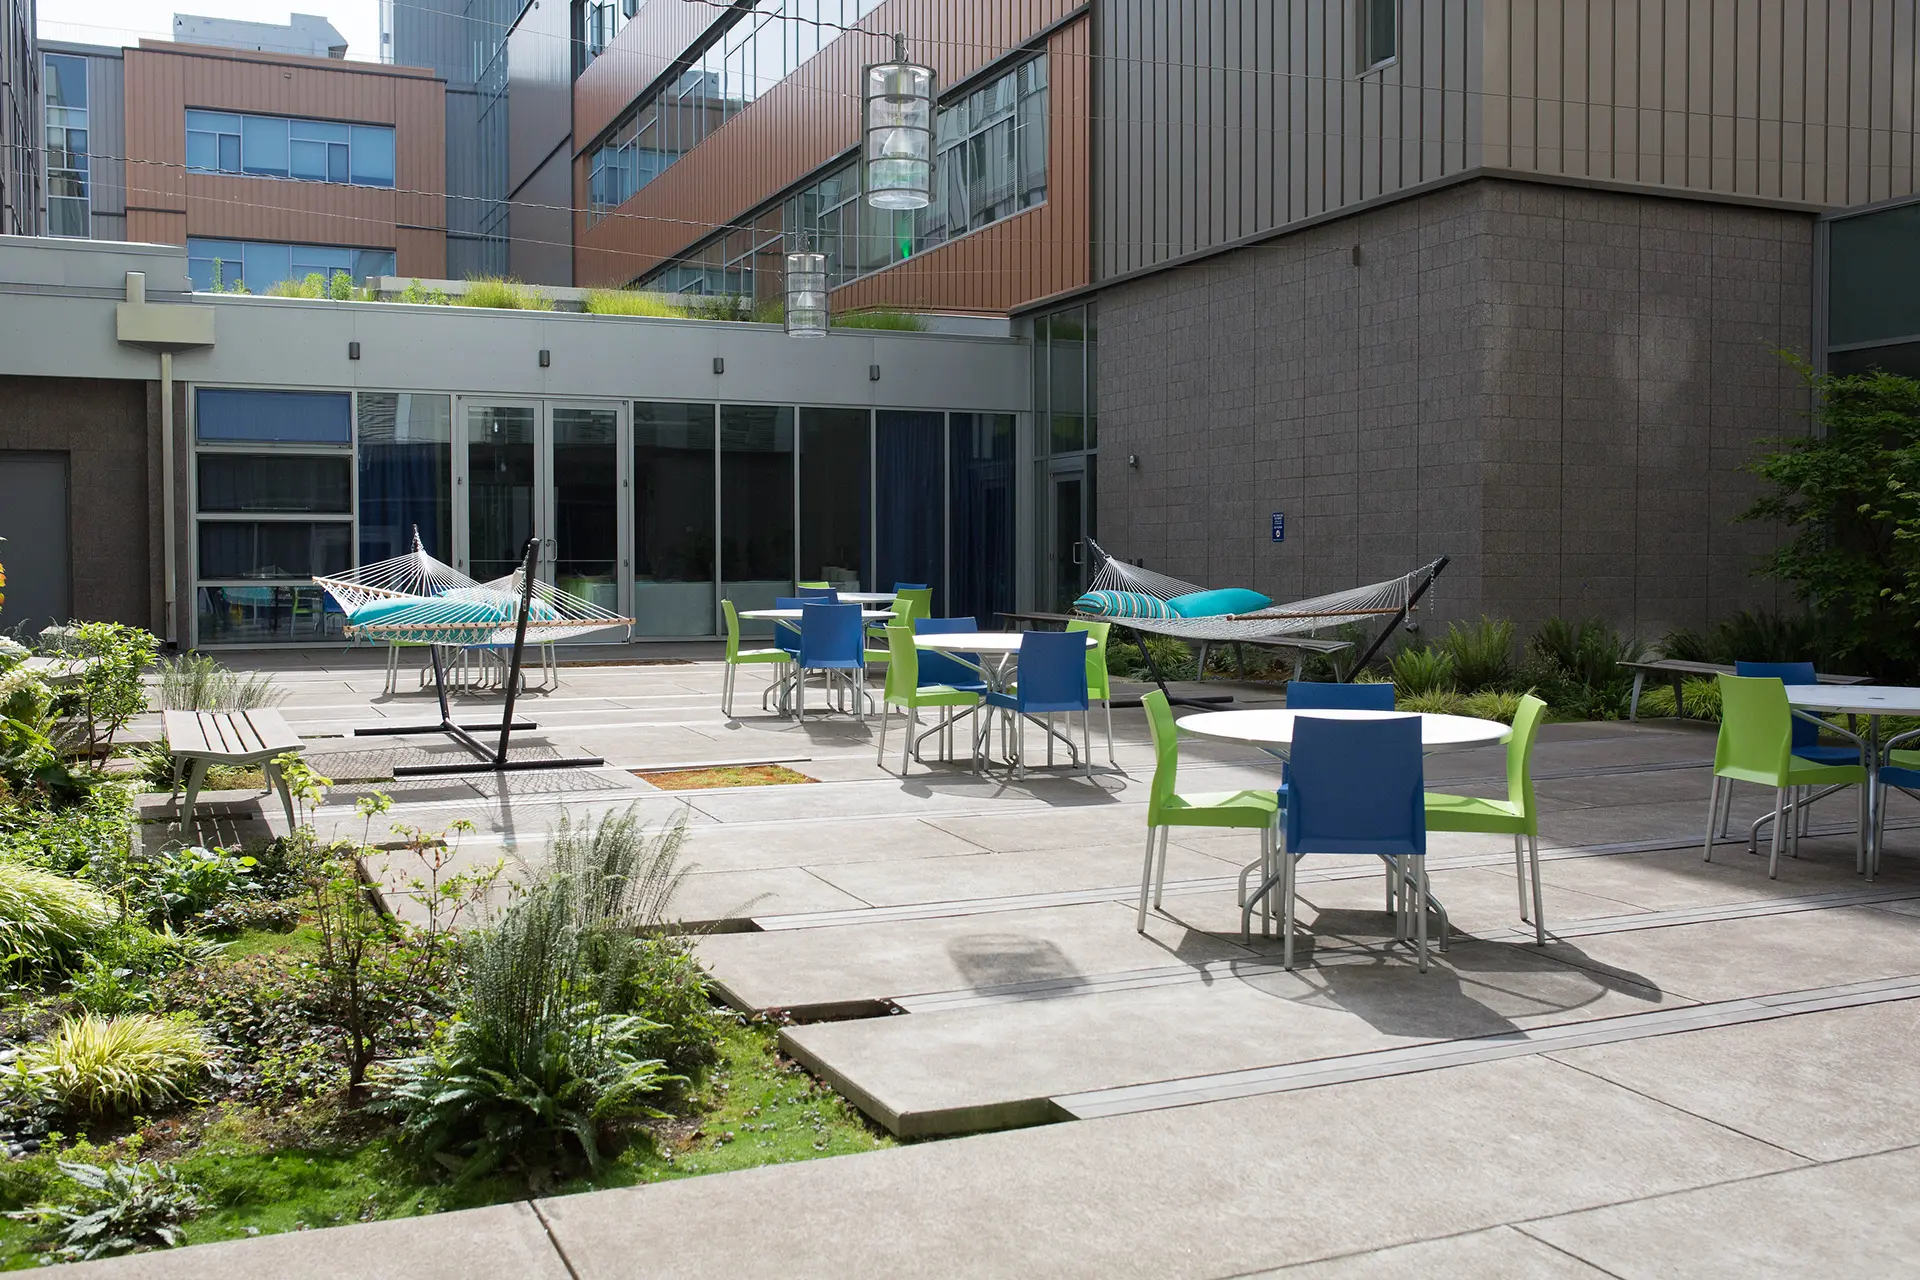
[1756,745]
[738,657]
[813,586]
[904,690]
[1516,816]
[1166,808]
[1099,683]
[907,606]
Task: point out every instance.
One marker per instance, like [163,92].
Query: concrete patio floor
[1704,1071]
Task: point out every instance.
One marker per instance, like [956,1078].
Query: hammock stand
[1280,620]
[422,600]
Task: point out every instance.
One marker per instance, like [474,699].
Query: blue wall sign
[1279,526]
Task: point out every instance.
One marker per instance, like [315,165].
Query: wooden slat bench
[240,738]
[1676,671]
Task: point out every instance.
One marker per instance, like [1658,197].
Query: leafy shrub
[504,295]
[336,285]
[1588,651]
[1419,669]
[419,294]
[172,885]
[195,682]
[1174,657]
[117,973]
[1755,636]
[31,740]
[1434,702]
[881,318]
[71,839]
[123,1207]
[1701,698]
[109,692]
[1483,654]
[632,302]
[1492,704]
[257,1011]
[112,1064]
[47,919]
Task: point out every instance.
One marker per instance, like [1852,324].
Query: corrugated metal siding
[106,144]
[795,127]
[1794,99]
[1035,253]
[166,204]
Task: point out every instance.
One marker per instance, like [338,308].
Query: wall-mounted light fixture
[546,358]
[1133,459]
[873,373]
[719,364]
[353,351]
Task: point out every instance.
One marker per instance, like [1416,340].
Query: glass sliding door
[834,452]
[583,551]
[502,487]
[406,475]
[981,474]
[910,486]
[673,520]
[756,505]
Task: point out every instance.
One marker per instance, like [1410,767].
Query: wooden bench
[239,738]
[1677,670]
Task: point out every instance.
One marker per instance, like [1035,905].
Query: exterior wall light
[897,118]
[807,295]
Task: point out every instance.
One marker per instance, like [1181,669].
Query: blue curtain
[404,486]
[911,502]
[981,473]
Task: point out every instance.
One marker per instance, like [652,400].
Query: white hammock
[1335,609]
[415,598]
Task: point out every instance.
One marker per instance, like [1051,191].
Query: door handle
[1077,554]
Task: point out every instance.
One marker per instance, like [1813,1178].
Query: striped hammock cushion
[1122,604]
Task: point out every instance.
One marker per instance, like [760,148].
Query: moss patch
[731,775]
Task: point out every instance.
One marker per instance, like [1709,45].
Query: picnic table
[1676,670]
[203,738]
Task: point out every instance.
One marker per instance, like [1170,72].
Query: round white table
[1273,730]
[868,597]
[1871,701]
[971,648]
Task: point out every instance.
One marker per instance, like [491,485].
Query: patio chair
[907,605]
[905,689]
[1357,788]
[817,591]
[738,657]
[813,586]
[1516,816]
[1806,736]
[1167,808]
[1099,682]
[1053,678]
[830,642]
[1756,745]
[1902,770]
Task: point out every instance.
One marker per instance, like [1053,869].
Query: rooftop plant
[504,295]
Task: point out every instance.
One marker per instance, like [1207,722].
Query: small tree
[109,692]
[1849,497]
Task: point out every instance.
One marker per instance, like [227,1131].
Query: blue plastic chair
[830,641]
[909,586]
[944,669]
[830,594]
[1358,787]
[1053,678]
[1806,741]
[1320,695]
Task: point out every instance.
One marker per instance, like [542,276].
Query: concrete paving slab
[1662,786]
[996,1066]
[1031,829]
[1823,1085]
[1664,879]
[1202,1191]
[1725,959]
[504,1240]
[721,897]
[1849,1218]
[853,968]
[1499,1254]
[736,846]
[986,875]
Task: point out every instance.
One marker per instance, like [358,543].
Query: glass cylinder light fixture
[898,121]
[807,295]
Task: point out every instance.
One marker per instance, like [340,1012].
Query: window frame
[1366,13]
[239,168]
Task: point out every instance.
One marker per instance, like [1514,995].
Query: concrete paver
[1499,1254]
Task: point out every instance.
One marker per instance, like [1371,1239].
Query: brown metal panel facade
[657,34]
[166,204]
[803,123]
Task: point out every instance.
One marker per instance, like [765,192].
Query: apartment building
[19,119]
[266,165]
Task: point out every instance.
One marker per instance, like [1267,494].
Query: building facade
[20,122]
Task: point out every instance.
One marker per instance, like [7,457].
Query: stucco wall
[1557,387]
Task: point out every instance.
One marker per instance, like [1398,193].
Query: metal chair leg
[1160,870]
[1420,923]
[1713,809]
[1519,875]
[1146,879]
[1781,819]
[1108,704]
[1539,911]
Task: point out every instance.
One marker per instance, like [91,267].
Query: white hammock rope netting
[1299,618]
[415,598]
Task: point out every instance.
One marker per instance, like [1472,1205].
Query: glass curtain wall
[834,454]
[756,505]
[1066,441]
[980,472]
[909,499]
[69,208]
[586,504]
[406,470]
[500,488]
[1873,291]
[673,514]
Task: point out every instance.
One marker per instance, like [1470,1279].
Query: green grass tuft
[881,318]
[503,295]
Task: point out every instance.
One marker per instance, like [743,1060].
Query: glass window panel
[203,152]
[756,504]
[981,472]
[279,483]
[213,122]
[910,545]
[67,216]
[66,80]
[265,265]
[283,417]
[337,170]
[586,500]
[229,153]
[371,262]
[263,146]
[1873,289]
[251,615]
[310,259]
[272,549]
[318,130]
[372,156]
[833,496]
[405,458]
[673,589]
[304,160]
[500,488]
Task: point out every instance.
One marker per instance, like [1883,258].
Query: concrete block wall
[1557,387]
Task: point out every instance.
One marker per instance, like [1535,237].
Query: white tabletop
[1275,728]
[794,615]
[868,597]
[1001,642]
[1858,699]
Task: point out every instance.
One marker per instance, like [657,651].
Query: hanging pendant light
[807,295]
[898,122]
